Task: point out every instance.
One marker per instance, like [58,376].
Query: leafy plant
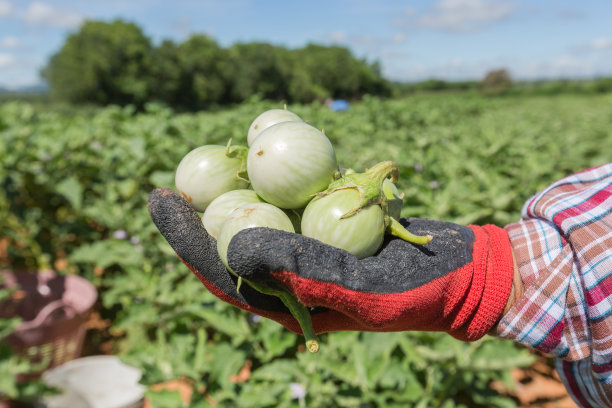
[74,185]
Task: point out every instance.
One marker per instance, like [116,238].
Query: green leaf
[72,190]
[276,339]
[224,362]
[285,370]
[264,395]
[127,188]
[7,326]
[498,354]
[137,148]
[165,399]
[139,315]
[233,326]
[162,179]
[107,253]
[403,381]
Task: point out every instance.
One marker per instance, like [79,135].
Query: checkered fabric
[563,247]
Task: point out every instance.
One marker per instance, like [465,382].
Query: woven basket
[54,311]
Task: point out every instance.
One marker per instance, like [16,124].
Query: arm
[562,248]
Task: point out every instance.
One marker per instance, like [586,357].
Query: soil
[538,386]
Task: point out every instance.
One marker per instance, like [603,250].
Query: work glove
[458,283]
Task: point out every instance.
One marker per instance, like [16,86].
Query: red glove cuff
[491,271]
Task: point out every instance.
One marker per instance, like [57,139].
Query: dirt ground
[538,386]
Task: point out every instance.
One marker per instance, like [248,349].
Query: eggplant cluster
[288,179]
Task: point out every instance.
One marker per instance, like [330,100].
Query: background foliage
[114,62]
[74,184]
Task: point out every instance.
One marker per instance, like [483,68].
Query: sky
[413,40]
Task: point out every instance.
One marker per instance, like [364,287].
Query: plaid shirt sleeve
[563,248]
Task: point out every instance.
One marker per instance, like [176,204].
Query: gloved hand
[183,229]
[458,283]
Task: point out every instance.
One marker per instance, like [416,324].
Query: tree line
[116,63]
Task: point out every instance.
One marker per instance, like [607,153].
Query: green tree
[115,63]
[496,82]
[205,72]
[260,68]
[167,79]
[191,75]
[101,63]
[334,72]
[371,80]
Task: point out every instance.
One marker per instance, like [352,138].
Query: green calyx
[370,187]
[368,184]
[238,152]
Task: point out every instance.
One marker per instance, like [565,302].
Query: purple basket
[54,311]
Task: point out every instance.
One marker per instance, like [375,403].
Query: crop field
[73,198]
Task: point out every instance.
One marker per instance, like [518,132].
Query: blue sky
[413,40]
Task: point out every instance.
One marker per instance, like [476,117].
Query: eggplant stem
[239,152]
[302,315]
[397,229]
[382,170]
[238,284]
[298,311]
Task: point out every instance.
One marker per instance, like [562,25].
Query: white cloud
[455,69]
[42,13]
[6,8]
[395,54]
[370,44]
[10,42]
[399,38]
[6,60]
[408,12]
[601,43]
[337,37]
[456,62]
[563,66]
[465,15]
[598,44]
[181,25]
